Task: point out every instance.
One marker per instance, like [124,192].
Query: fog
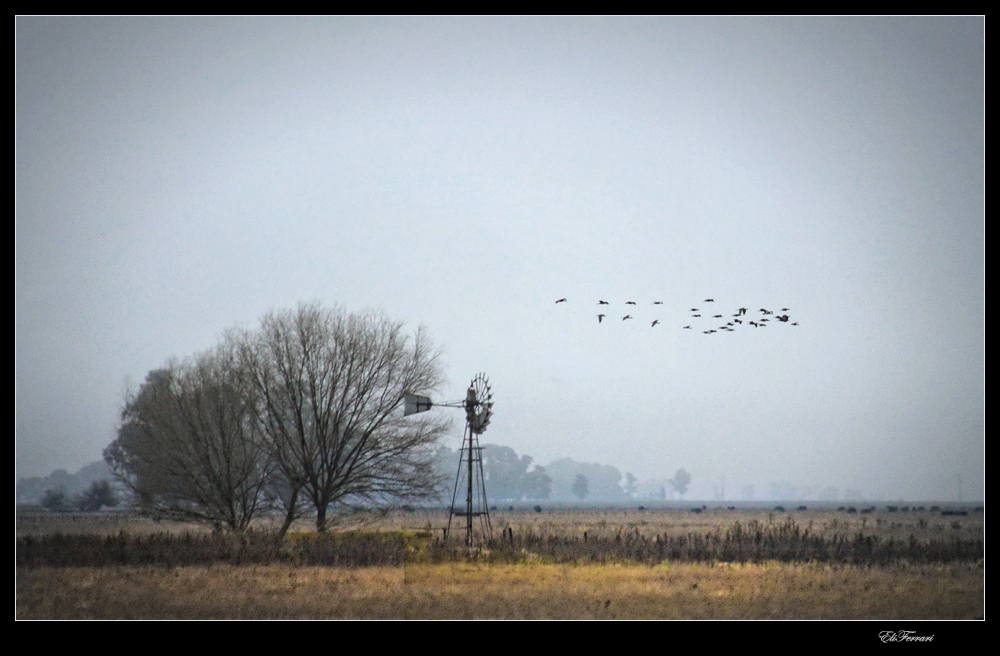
[176,177]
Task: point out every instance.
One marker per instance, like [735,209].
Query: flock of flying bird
[740,317]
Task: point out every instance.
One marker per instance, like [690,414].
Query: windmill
[478,405]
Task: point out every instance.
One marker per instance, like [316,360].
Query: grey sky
[179,176]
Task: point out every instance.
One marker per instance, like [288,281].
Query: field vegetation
[560,564]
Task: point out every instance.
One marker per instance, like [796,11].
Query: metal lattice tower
[478,405]
[478,411]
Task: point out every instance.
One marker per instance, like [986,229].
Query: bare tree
[188,445]
[54,499]
[328,393]
[97,496]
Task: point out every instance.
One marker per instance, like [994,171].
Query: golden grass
[529,590]
[523,591]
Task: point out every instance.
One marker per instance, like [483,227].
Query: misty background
[176,177]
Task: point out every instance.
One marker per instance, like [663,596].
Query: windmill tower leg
[468,497]
[458,477]
[476,503]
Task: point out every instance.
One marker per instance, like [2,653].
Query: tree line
[513,477]
[302,414]
[89,488]
[509,477]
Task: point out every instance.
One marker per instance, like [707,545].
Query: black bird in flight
[561,300]
[629,302]
[687,327]
[603,303]
[627,316]
[600,318]
[654,323]
[710,300]
[657,302]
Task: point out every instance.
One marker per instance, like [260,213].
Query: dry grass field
[528,586]
[523,591]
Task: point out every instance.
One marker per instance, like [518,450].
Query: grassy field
[399,568]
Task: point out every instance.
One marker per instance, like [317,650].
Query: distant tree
[536,484]
[508,476]
[54,499]
[504,472]
[99,495]
[580,487]
[604,481]
[31,489]
[630,484]
[680,482]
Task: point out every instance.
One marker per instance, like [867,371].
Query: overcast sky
[176,177]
